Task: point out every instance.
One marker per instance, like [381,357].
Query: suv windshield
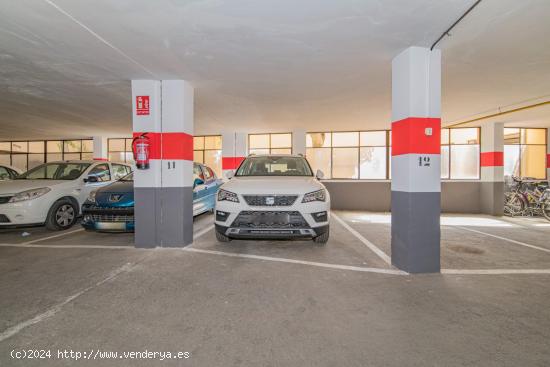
[274,166]
[55,171]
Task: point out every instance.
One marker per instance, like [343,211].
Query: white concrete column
[234,150]
[416,163]
[163,210]
[492,168]
[299,142]
[100,148]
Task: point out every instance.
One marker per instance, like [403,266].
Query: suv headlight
[227,195]
[29,194]
[319,195]
[91,197]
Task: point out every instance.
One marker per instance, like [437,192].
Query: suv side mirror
[197,182]
[319,174]
[230,174]
[91,179]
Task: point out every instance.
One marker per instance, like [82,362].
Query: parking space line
[54,236]
[56,308]
[202,232]
[506,239]
[300,262]
[494,271]
[114,247]
[381,254]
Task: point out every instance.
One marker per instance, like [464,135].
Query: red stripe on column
[231,162]
[170,145]
[492,159]
[548,162]
[101,159]
[409,136]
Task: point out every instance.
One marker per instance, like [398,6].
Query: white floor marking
[54,236]
[202,232]
[494,271]
[301,262]
[114,247]
[381,254]
[56,308]
[507,239]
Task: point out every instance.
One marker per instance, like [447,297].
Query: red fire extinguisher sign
[142,105]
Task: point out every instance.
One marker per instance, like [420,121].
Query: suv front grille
[5,199]
[269,219]
[112,218]
[262,200]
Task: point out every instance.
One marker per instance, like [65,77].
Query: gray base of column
[492,198]
[415,231]
[163,216]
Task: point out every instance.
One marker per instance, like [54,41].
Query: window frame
[203,150]
[519,145]
[270,148]
[450,178]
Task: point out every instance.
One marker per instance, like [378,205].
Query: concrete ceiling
[270,65]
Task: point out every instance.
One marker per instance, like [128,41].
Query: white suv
[273,197]
[53,193]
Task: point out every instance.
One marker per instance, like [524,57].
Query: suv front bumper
[271,233]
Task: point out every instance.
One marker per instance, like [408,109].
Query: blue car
[111,208]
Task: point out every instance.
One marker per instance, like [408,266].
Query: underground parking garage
[274,183]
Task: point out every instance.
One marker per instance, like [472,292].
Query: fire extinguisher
[141,148]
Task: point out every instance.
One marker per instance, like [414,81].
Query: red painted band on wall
[169,145]
[409,136]
[101,159]
[492,159]
[548,161]
[231,162]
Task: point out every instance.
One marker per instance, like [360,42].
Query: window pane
[319,158]
[444,136]
[36,147]
[281,151]
[116,145]
[373,163]
[445,161]
[129,144]
[19,146]
[464,161]
[198,142]
[281,140]
[533,161]
[72,146]
[5,159]
[88,146]
[373,138]
[129,158]
[87,156]
[511,160]
[116,157]
[54,146]
[533,136]
[259,151]
[197,156]
[213,142]
[345,139]
[71,156]
[345,162]
[465,136]
[318,140]
[35,160]
[53,157]
[259,141]
[5,147]
[19,161]
[511,136]
[213,159]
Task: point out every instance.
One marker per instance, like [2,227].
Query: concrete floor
[282,303]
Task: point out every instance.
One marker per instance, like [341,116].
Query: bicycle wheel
[546,209]
[514,205]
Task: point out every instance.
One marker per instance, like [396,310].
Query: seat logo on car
[270,200]
[115,197]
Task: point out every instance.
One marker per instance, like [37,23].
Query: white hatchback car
[273,197]
[52,193]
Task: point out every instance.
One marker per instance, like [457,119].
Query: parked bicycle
[528,197]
